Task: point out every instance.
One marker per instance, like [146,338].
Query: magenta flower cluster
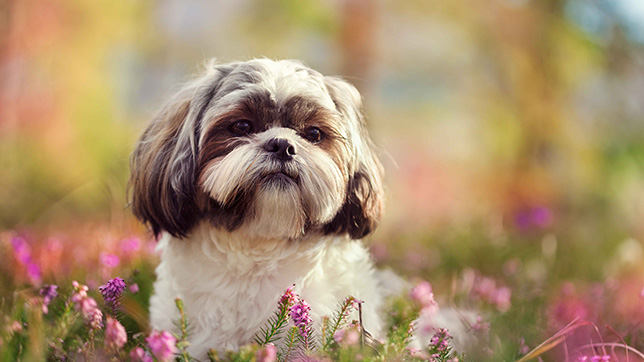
[300,314]
[440,340]
[111,292]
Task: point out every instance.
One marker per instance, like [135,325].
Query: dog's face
[271,149]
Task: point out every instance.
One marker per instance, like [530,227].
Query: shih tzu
[256,176]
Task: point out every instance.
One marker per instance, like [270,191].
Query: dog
[256,176]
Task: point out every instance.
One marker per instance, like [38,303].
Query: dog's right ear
[162,182]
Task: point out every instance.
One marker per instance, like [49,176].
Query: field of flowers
[511,131]
[83,295]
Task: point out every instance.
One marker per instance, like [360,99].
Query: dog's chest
[230,292]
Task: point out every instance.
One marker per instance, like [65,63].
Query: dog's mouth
[283,177]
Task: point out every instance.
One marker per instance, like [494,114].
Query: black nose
[281,148]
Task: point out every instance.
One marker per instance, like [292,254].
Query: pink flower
[16,327]
[87,305]
[349,336]
[109,260]
[21,250]
[480,325]
[267,354]
[115,335]
[34,273]
[289,297]
[134,288]
[139,355]
[130,246]
[423,295]
[163,345]
[501,298]
[417,353]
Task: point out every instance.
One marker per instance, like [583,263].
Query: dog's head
[271,148]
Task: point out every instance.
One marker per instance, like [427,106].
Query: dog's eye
[241,127]
[313,135]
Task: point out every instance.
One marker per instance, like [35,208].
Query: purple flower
[115,335]
[111,292]
[267,354]
[163,345]
[300,314]
[539,217]
[48,292]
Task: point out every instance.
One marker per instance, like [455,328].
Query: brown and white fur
[256,176]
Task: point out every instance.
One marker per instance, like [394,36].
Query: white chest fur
[230,285]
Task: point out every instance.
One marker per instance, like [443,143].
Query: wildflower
[501,298]
[34,273]
[417,353]
[163,345]
[481,326]
[130,246]
[300,314]
[87,305]
[21,250]
[289,297]
[268,353]
[352,304]
[134,288]
[523,348]
[96,319]
[115,335]
[348,336]
[111,292]
[16,327]
[48,292]
[440,340]
[423,295]
[109,260]
[138,354]
[536,217]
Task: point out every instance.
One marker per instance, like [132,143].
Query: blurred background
[512,131]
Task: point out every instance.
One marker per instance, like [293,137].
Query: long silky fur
[233,235]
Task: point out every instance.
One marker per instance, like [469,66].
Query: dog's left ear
[364,202]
